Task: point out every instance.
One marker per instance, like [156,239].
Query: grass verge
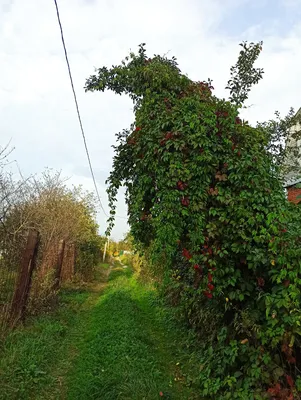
[119,344]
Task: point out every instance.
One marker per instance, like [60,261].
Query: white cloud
[36,105]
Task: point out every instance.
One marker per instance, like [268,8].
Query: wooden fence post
[23,283]
[59,263]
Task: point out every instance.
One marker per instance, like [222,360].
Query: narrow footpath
[110,340]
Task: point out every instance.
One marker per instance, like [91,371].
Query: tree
[57,213]
[204,195]
[243,73]
[284,137]
[282,134]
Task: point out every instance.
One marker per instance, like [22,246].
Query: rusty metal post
[23,283]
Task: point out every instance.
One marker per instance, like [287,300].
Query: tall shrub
[204,195]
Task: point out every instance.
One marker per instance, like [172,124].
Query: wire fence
[31,271]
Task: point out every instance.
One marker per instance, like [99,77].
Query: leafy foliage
[243,73]
[204,196]
[284,134]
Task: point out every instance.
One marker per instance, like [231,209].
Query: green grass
[117,344]
[30,353]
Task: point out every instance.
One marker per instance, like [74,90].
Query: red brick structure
[292,193]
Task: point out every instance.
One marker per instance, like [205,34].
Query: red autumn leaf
[286,283]
[291,360]
[169,135]
[238,121]
[138,129]
[161,394]
[186,254]
[274,391]
[260,281]
[208,294]
[162,142]
[213,191]
[285,349]
[210,287]
[181,185]
[210,277]
[289,380]
[196,267]
[185,201]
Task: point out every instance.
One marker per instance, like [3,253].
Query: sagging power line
[77,110]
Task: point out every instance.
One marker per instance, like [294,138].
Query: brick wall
[292,193]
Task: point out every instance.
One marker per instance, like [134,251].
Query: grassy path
[108,342]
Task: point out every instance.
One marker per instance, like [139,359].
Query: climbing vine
[204,195]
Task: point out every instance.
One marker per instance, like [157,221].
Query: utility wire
[77,108]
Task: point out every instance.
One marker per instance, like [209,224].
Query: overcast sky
[37,111]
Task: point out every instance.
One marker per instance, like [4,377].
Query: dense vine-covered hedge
[204,195]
